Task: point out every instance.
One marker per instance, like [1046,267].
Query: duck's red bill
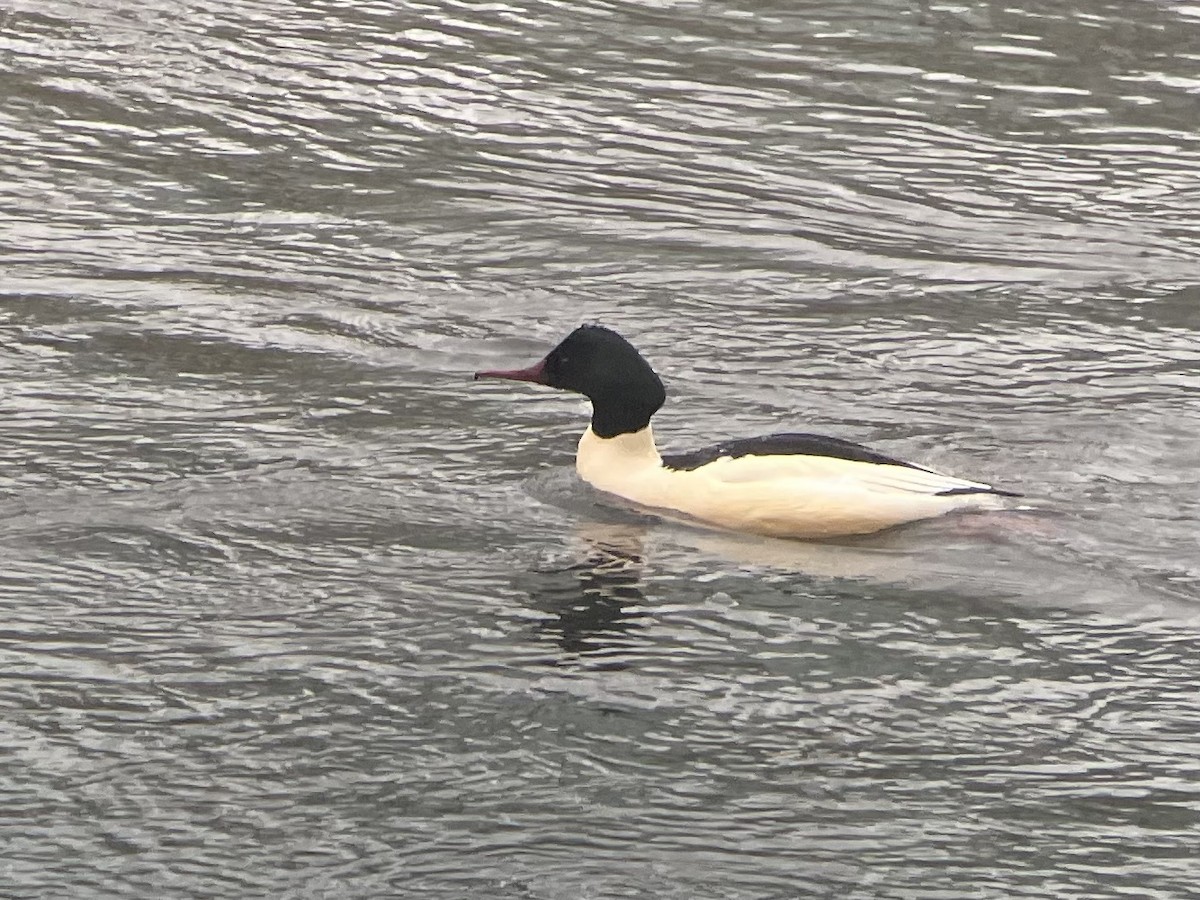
[535,373]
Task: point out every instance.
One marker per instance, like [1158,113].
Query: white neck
[609,463]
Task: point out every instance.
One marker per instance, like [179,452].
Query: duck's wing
[814,456]
[789,444]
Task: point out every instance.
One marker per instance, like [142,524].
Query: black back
[805,445]
[600,364]
[783,445]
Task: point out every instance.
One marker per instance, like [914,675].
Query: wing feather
[903,478]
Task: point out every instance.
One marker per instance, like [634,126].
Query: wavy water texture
[293,609]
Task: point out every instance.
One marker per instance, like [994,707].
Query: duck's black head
[600,364]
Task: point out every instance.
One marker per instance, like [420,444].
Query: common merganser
[783,485]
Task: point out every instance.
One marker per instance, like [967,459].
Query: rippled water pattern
[290,608]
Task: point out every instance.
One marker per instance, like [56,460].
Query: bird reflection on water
[594,605]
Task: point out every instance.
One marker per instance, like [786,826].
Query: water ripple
[293,608]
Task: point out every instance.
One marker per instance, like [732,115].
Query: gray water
[291,608]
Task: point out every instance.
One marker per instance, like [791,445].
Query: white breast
[791,495]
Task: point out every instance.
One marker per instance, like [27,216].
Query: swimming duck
[783,485]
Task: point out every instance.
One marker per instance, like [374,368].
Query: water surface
[291,608]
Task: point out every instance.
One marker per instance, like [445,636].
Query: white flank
[786,495]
